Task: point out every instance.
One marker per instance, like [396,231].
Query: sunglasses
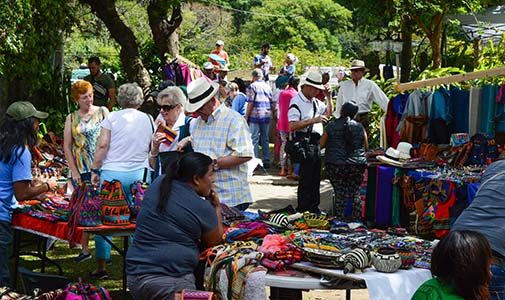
[167,107]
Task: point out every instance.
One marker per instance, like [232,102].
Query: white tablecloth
[400,285]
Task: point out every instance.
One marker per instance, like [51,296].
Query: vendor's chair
[43,282]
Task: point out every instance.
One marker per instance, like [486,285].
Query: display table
[59,231]
[398,285]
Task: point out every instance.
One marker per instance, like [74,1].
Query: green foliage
[308,24]
[32,36]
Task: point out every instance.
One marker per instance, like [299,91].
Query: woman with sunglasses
[173,126]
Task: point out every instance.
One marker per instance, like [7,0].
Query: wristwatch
[96,171]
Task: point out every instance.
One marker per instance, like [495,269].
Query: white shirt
[306,107]
[177,128]
[130,137]
[363,94]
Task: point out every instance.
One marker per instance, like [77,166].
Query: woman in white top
[172,126]
[122,154]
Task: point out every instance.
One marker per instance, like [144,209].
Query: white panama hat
[315,79]
[396,157]
[200,91]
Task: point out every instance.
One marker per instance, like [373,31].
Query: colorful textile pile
[228,267]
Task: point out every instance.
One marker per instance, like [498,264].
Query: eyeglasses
[167,107]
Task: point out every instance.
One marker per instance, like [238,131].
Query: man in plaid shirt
[222,134]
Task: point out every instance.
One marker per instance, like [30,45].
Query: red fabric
[392,120]
[59,230]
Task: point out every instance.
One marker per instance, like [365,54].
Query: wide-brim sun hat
[313,78]
[358,64]
[200,91]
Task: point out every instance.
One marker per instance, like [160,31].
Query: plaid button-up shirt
[225,134]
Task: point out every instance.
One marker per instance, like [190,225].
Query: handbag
[138,189]
[86,210]
[115,209]
[84,291]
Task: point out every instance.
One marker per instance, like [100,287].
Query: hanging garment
[418,104]
[383,143]
[439,132]
[474,111]
[414,129]
[460,108]
[440,105]
[383,195]
[488,108]
[500,96]
[370,194]
[393,116]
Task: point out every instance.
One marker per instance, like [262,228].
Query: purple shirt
[260,95]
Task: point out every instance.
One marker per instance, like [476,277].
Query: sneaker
[83,257]
[99,275]
[108,262]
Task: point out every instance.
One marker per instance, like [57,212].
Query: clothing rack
[450,79]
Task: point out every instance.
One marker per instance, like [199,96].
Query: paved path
[273,192]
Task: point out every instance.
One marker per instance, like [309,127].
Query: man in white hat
[362,91]
[306,115]
[222,134]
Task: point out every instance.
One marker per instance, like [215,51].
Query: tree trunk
[477,43]
[406,55]
[436,53]
[123,35]
[164,31]
[434,34]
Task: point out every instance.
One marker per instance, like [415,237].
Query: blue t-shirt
[239,103]
[167,243]
[13,171]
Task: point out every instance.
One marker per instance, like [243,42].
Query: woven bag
[115,209]
[86,210]
[138,189]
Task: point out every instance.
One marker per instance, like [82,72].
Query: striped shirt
[225,134]
[260,94]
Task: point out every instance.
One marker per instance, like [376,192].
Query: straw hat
[358,64]
[200,91]
[396,157]
[315,79]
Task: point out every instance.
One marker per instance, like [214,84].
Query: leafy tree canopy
[310,24]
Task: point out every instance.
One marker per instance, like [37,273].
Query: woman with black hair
[345,141]
[460,265]
[18,134]
[180,210]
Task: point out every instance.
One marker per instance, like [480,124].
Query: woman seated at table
[345,141]
[180,209]
[18,134]
[460,265]
[172,122]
